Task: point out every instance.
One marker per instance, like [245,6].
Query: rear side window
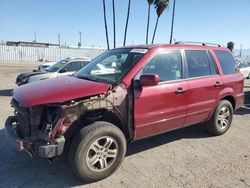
[197,63]
[227,62]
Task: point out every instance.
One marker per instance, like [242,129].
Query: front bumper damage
[35,146]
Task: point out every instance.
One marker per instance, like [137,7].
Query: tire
[97,143]
[221,120]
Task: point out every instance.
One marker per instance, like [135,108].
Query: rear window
[227,61]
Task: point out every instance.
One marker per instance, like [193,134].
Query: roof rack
[199,43]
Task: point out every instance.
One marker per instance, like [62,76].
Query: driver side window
[167,65]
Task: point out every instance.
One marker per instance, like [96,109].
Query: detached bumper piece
[34,146]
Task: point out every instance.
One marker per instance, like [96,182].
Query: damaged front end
[40,130]
[30,130]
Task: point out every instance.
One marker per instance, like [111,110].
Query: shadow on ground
[19,170]
[246,108]
[6,92]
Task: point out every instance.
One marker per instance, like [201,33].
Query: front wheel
[221,119]
[97,151]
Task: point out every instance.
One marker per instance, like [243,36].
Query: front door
[162,107]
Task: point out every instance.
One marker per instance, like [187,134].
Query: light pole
[172,25]
[80,42]
[59,39]
[35,36]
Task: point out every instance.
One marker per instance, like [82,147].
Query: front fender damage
[113,101]
[49,123]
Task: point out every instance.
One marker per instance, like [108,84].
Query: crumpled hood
[57,90]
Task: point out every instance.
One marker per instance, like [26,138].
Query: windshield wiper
[94,79]
[88,78]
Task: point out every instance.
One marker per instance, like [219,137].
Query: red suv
[124,95]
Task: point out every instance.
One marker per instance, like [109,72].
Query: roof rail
[199,43]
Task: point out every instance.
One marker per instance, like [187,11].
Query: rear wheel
[97,151]
[221,119]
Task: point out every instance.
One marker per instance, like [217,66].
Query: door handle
[217,84]
[180,90]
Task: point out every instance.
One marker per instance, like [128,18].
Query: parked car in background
[245,69]
[44,66]
[150,90]
[63,67]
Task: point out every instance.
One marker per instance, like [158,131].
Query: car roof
[78,59]
[178,46]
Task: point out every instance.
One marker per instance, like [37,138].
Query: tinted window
[197,63]
[73,66]
[213,66]
[227,62]
[167,65]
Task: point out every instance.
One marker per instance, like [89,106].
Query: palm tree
[150,2]
[126,27]
[113,3]
[160,6]
[105,23]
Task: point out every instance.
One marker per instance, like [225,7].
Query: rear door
[204,85]
[233,81]
[161,108]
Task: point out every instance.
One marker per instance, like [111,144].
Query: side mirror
[62,70]
[149,79]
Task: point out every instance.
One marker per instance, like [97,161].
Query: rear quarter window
[227,61]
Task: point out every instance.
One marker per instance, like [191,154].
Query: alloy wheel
[102,153]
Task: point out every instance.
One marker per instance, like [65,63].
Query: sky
[216,21]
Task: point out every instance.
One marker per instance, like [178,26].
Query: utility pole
[59,39]
[172,25]
[80,42]
[35,36]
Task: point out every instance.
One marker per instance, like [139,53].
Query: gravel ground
[182,158]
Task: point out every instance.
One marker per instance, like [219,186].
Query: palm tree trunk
[148,24]
[105,23]
[113,2]
[172,25]
[126,27]
[156,24]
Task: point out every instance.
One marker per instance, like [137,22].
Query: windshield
[112,65]
[57,66]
